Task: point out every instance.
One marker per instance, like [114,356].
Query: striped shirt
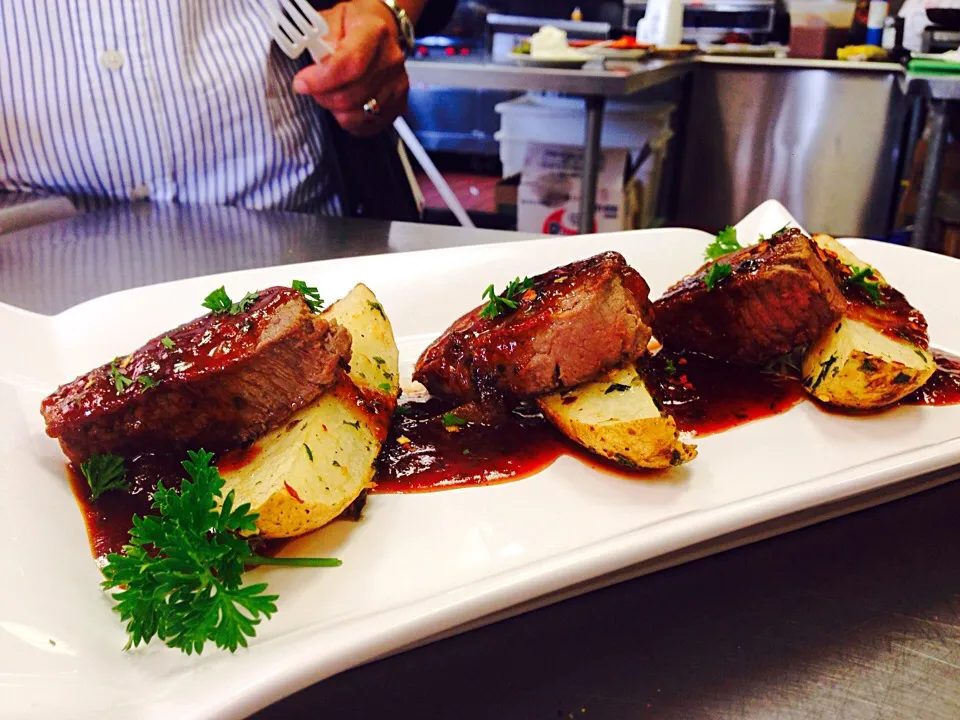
[172,100]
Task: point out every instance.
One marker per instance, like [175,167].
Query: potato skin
[303,474]
[616,418]
[853,365]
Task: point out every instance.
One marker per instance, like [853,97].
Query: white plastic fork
[302,29]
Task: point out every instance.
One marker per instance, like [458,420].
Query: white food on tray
[417,565]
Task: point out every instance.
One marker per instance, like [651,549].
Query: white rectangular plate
[416,565]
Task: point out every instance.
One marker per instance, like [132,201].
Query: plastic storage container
[562,121]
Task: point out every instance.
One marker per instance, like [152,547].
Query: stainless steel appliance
[823,138]
[456,119]
[464,120]
[708,21]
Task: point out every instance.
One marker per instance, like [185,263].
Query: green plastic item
[937,67]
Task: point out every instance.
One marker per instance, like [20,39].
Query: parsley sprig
[861,279]
[219,302]
[120,381]
[725,242]
[180,577]
[715,273]
[103,472]
[311,295]
[498,305]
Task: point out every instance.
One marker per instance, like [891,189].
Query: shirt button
[111,59]
[140,192]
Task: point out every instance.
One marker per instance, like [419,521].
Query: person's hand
[366,65]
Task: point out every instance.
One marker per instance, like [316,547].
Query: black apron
[369,173]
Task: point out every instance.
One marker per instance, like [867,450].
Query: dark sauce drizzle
[943,387]
[108,518]
[707,396]
[421,454]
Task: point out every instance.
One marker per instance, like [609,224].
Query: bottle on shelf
[876,16]
[858,26]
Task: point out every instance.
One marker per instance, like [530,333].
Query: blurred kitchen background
[768,112]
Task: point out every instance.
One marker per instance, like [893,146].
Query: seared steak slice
[573,323]
[217,382]
[777,297]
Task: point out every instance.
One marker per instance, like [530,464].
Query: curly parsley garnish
[180,577]
[861,279]
[498,305]
[725,242]
[120,381]
[716,273]
[103,472]
[219,302]
[311,296]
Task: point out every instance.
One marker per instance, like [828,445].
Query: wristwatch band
[405,33]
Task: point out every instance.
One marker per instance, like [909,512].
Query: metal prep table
[938,91]
[594,85]
[856,617]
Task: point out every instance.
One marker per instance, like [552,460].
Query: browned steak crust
[778,296]
[223,381]
[576,321]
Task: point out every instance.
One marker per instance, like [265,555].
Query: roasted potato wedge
[853,365]
[374,357]
[845,254]
[303,474]
[616,418]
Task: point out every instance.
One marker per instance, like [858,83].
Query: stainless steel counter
[822,137]
[616,79]
[853,618]
[51,267]
[842,66]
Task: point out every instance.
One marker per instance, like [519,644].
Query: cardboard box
[548,200]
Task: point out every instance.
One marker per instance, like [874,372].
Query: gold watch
[405,33]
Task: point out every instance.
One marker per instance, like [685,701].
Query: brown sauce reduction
[108,518]
[421,454]
[943,387]
[704,396]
